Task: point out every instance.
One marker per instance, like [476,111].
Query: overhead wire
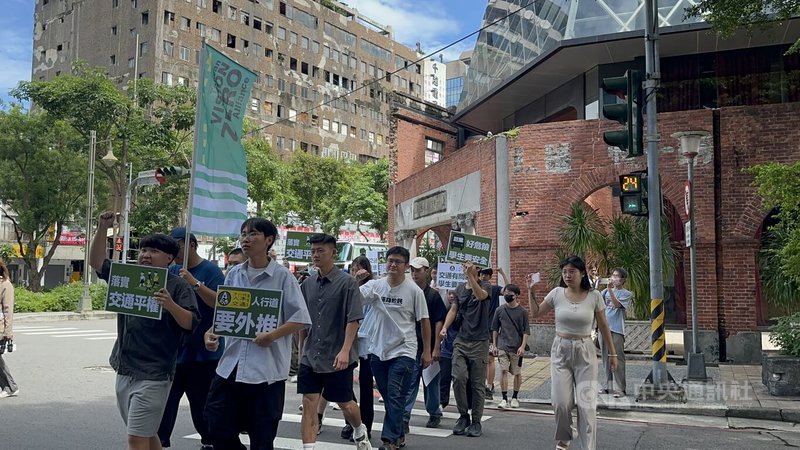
[390,74]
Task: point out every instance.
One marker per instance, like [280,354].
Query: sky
[432,23]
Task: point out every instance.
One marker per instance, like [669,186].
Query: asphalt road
[67,401]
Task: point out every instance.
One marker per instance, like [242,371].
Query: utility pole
[85,304]
[657,388]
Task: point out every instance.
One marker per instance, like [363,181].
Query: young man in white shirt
[249,387]
[398,304]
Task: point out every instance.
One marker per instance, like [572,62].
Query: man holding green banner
[146,349]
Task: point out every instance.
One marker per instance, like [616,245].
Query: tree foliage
[727,16]
[365,198]
[778,186]
[318,184]
[42,180]
[268,181]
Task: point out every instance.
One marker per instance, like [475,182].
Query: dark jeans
[430,392]
[233,407]
[366,401]
[394,378]
[445,379]
[194,380]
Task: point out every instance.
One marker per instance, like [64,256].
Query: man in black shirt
[420,269]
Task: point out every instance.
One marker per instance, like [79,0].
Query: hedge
[61,298]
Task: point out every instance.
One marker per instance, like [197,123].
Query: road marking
[289,443]
[85,335]
[423,413]
[76,332]
[33,328]
[105,339]
[377,426]
[48,330]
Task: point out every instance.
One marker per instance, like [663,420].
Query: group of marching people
[391,328]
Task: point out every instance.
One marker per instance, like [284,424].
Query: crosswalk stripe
[48,330]
[423,413]
[84,335]
[67,331]
[377,426]
[29,328]
[101,338]
[289,443]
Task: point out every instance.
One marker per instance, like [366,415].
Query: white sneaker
[4,394]
[514,403]
[503,404]
[293,379]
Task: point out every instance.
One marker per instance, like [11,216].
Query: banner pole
[198,105]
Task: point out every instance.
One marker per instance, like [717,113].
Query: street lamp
[690,147]
[85,304]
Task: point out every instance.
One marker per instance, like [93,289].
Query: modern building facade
[305,53]
[456,74]
[538,74]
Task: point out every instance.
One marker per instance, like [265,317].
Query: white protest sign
[449,275]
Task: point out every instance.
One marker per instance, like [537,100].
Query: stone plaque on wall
[430,204]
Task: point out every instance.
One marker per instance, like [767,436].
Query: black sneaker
[347,431]
[461,425]
[474,430]
[488,395]
[433,422]
[406,427]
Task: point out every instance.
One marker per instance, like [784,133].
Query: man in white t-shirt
[398,304]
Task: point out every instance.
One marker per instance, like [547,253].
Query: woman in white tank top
[573,361]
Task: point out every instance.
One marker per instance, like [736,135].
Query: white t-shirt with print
[397,311]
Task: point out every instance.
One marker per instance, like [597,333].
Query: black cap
[180,233]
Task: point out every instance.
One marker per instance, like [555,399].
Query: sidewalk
[734,391]
[61,316]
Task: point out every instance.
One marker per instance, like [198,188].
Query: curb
[771,414]
[62,316]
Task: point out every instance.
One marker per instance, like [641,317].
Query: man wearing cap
[420,269]
[196,365]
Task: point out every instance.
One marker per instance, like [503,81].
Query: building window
[335,127]
[281,33]
[291,144]
[268,27]
[353,131]
[326,124]
[293,38]
[131,62]
[268,108]
[255,104]
[433,151]
[186,23]
[216,6]
[371,138]
[268,53]
[292,115]
[314,120]
[216,34]
[202,3]
[114,30]
[304,42]
[113,60]
[231,13]
[183,81]
[166,78]
[142,48]
[169,18]
[168,48]
[231,41]
[257,23]
[146,17]
[315,46]
[245,18]
[185,52]
[281,85]
[279,142]
[270,80]
[281,112]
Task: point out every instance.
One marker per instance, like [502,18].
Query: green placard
[244,312]
[297,246]
[131,288]
[464,247]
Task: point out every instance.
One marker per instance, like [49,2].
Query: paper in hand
[535,278]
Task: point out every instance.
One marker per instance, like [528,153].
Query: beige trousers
[573,373]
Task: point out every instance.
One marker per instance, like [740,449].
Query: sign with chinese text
[464,247]
[244,312]
[131,288]
[378,260]
[297,246]
[449,275]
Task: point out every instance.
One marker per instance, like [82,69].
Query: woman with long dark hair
[573,361]
[7,385]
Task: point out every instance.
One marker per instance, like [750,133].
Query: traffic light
[629,87]
[633,194]
[165,173]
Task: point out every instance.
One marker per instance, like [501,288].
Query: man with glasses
[398,304]
[248,390]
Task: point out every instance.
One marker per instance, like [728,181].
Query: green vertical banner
[297,246]
[463,247]
[131,288]
[244,312]
[219,179]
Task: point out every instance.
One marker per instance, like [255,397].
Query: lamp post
[690,146]
[85,303]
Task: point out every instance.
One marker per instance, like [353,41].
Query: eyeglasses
[395,262]
[250,235]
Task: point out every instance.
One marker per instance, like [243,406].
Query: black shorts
[334,386]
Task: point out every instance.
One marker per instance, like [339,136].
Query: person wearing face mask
[510,332]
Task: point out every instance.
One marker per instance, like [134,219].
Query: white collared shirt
[255,364]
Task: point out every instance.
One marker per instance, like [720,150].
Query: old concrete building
[518,189]
[306,53]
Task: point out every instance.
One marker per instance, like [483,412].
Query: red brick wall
[748,135]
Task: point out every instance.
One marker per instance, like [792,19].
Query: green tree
[42,181]
[365,197]
[319,184]
[727,16]
[268,179]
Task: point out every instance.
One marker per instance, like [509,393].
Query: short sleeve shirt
[574,318]
[474,312]
[398,312]
[333,301]
[255,364]
[436,312]
[510,324]
[614,315]
[194,347]
[147,349]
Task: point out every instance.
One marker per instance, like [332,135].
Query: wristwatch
[197,285]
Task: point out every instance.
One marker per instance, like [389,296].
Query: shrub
[786,334]
[62,298]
